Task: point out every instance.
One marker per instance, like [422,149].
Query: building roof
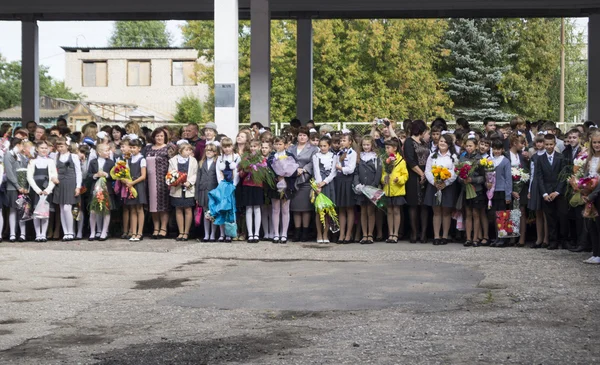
[87,49]
[14,113]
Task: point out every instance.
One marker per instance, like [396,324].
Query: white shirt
[349,164]
[593,170]
[41,163]
[329,160]
[515,161]
[441,160]
[550,158]
[209,162]
[233,160]
[137,157]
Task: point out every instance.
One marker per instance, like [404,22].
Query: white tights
[12,222]
[267,220]
[99,223]
[66,220]
[209,229]
[41,227]
[283,207]
[257,218]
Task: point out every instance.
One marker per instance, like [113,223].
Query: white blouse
[349,164]
[41,163]
[329,160]
[593,170]
[233,160]
[441,160]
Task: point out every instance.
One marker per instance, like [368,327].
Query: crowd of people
[438,185]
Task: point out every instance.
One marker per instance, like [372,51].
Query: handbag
[231,229]
[42,209]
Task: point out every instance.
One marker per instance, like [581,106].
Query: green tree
[475,64]
[10,85]
[152,33]
[189,110]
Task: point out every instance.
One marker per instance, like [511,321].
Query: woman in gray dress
[300,204]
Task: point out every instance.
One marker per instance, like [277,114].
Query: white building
[152,78]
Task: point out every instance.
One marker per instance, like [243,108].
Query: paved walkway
[165,302]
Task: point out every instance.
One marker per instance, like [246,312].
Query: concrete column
[226,67]
[593,103]
[30,76]
[304,71]
[260,62]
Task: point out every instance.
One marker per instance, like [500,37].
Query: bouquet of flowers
[490,178]
[22,178]
[464,170]
[373,194]
[100,203]
[508,223]
[440,174]
[519,177]
[121,174]
[284,166]
[176,178]
[324,207]
[578,163]
[585,186]
[24,208]
[389,161]
[254,167]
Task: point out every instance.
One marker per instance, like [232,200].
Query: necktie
[550,159]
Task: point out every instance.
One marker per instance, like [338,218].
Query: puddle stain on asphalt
[160,283]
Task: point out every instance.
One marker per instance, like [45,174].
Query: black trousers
[581,234]
[556,232]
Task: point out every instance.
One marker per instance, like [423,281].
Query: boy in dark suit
[552,188]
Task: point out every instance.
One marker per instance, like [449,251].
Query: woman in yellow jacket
[393,186]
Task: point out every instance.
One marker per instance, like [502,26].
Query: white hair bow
[312,130]
[261,131]
[131,137]
[445,132]
[68,140]
[519,133]
[593,126]
[327,135]
[472,135]
[182,141]
[345,131]
[542,133]
[102,135]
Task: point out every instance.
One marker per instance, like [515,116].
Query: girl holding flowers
[13,160]
[472,181]
[394,176]
[280,198]
[137,169]
[369,174]
[520,186]
[251,168]
[102,198]
[592,170]
[502,195]
[182,193]
[40,172]
[324,163]
[227,171]
[66,193]
[441,184]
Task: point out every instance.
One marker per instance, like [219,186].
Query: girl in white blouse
[345,198]
[324,163]
[40,173]
[442,213]
[68,182]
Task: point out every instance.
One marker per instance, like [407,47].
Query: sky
[53,35]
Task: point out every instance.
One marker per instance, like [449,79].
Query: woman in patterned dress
[416,152]
[157,158]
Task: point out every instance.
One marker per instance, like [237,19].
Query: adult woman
[241,148]
[416,151]
[210,134]
[117,133]
[300,204]
[157,159]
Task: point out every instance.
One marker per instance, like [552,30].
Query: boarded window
[95,74]
[183,73]
[138,73]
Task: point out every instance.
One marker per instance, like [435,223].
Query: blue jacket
[504,178]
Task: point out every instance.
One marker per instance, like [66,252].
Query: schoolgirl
[592,169]
[207,181]
[344,196]
[476,205]
[368,174]
[324,163]
[40,173]
[502,188]
[266,209]
[182,196]
[442,210]
[227,169]
[253,196]
[280,200]
[100,167]
[126,213]
[534,202]
[394,186]
[83,152]
[13,160]
[137,168]
[517,143]
[68,186]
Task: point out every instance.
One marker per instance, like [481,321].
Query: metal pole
[562,72]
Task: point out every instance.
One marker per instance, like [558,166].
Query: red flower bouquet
[464,170]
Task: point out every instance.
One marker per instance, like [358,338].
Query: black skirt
[252,195]
[478,202]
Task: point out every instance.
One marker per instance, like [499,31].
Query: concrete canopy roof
[203,9]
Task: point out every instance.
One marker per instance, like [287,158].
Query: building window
[138,73]
[94,74]
[183,73]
